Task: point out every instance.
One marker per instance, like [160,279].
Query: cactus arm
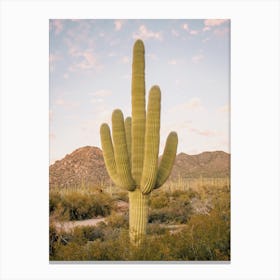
[127,125]
[168,159]
[121,154]
[108,152]
[138,110]
[152,138]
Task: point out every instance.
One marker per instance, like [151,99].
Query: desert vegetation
[188,220]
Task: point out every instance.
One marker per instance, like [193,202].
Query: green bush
[79,206]
[54,201]
[121,196]
[118,221]
[202,237]
[159,200]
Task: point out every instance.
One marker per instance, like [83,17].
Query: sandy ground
[68,226]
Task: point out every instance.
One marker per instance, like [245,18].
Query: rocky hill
[206,164]
[86,166]
[83,166]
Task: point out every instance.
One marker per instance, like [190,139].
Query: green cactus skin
[108,153]
[149,174]
[138,216]
[131,158]
[127,125]
[167,160]
[138,110]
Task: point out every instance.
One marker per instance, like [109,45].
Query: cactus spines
[121,153]
[108,152]
[127,125]
[150,167]
[167,159]
[132,158]
[138,110]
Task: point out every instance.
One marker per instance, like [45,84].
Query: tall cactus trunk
[138,216]
[131,153]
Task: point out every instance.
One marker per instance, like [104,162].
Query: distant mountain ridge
[86,166]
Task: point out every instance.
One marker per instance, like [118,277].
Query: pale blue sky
[90,76]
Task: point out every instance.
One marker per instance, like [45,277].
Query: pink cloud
[207,133]
[193,104]
[125,59]
[118,24]
[214,22]
[220,32]
[145,34]
[206,28]
[197,58]
[57,25]
[87,59]
[175,33]
[185,26]
[173,62]
[66,103]
[194,32]
[224,109]
[53,58]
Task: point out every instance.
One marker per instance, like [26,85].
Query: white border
[254,142]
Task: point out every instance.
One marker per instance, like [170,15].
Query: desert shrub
[117,221]
[121,196]
[159,200]
[80,206]
[176,212]
[206,237]
[155,229]
[203,236]
[112,249]
[54,201]
[53,237]
[93,233]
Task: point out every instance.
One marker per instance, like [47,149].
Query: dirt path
[69,225]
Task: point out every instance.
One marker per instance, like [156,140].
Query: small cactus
[131,158]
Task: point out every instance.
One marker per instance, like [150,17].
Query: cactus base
[138,216]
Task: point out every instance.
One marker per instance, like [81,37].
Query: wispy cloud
[193,104]
[173,62]
[97,100]
[57,26]
[203,132]
[197,58]
[101,93]
[214,22]
[175,33]
[205,40]
[206,28]
[224,109]
[194,32]
[118,24]
[66,76]
[217,25]
[185,26]
[145,34]
[152,56]
[220,32]
[68,104]
[125,59]
[87,61]
[53,58]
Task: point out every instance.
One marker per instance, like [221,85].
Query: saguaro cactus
[131,158]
